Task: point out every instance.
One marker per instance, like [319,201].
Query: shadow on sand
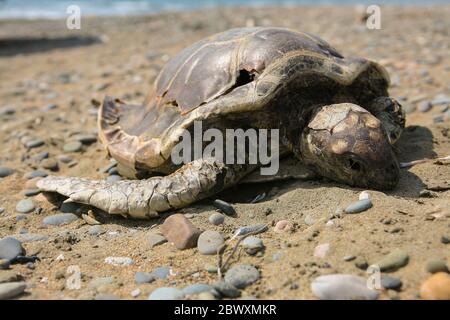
[14,46]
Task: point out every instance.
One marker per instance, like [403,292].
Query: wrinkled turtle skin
[334,115]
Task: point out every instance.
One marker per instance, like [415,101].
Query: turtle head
[345,143]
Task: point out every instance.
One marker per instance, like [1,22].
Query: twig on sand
[414,162]
[221,267]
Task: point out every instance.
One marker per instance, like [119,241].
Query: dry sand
[123,56]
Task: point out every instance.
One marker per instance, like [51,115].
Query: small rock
[166,293]
[87,138]
[64,158]
[309,220]
[227,289]
[114,178]
[209,242]
[359,206]
[225,207]
[31,192]
[11,290]
[143,277]
[31,237]
[424,106]
[211,268]
[2,210]
[96,230]
[436,287]
[135,293]
[155,239]
[36,174]
[364,195]
[50,164]
[180,231]
[34,143]
[445,240]
[161,273]
[349,258]
[283,226]
[31,183]
[216,218]
[119,261]
[10,248]
[342,287]
[4,172]
[242,275]
[321,250]
[25,206]
[393,261]
[388,282]
[73,146]
[252,245]
[437,265]
[198,288]
[59,219]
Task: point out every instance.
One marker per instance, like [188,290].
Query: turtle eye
[354,164]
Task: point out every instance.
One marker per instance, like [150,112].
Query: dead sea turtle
[333,114]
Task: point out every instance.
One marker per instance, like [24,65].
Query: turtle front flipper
[391,115]
[145,198]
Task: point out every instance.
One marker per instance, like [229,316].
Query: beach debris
[415,162]
[254,229]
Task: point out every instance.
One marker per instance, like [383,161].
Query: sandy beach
[53,79]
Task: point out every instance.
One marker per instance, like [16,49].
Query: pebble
[64,158]
[96,230]
[209,242]
[211,268]
[227,289]
[40,156]
[437,265]
[50,164]
[25,206]
[359,206]
[73,146]
[4,172]
[36,174]
[11,290]
[252,245]
[283,226]
[31,192]
[321,250]
[2,210]
[242,275]
[178,230]
[206,295]
[34,143]
[114,178]
[216,218]
[135,293]
[155,239]
[445,240]
[198,288]
[364,195]
[161,273]
[31,237]
[59,219]
[225,207]
[436,287]
[424,106]
[388,282]
[87,138]
[166,293]
[342,287]
[309,220]
[349,258]
[119,261]
[143,277]
[396,259]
